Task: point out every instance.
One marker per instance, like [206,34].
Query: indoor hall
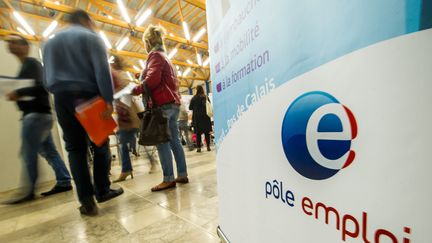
[243,121]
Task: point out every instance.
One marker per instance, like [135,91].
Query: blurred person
[77,70]
[201,121]
[161,79]
[37,122]
[149,150]
[184,128]
[127,120]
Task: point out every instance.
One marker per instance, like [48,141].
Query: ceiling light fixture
[198,35]
[123,11]
[199,60]
[22,31]
[172,53]
[24,24]
[50,29]
[186,30]
[142,64]
[143,17]
[186,72]
[105,39]
[129,75]
[122,43]
[206,62]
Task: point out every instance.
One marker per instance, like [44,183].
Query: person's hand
[12,96]
[107,114]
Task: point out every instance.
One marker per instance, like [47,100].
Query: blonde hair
[153,36]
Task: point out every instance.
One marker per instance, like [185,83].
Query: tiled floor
[188,213]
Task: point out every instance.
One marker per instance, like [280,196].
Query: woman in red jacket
[161,79]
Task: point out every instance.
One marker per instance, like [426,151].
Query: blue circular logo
[317,132]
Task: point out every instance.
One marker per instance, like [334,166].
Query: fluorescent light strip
[206,62]
[50,29]
[57,3]
[199,60]
[51,36]
[186,30]
[24,24]
[200,33]
[142,64]
[129,75]
[40,53]
[136,68]
[186,72]
[22,31]
[189,61]
[172,53]
[110,17]
[122,43]
[143,17]
[105,39]
[111,59]
[179,73]
[123,11]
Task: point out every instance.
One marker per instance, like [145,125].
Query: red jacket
[161,79]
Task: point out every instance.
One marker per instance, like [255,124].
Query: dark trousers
[77,143]
[198,137]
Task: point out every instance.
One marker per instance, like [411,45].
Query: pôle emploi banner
[322,119]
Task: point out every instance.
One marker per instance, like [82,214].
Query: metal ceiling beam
[116,22]
[197,3]
[4,32]
[137,40]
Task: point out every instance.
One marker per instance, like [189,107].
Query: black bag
[154,126]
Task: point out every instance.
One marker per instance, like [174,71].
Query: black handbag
[154,125]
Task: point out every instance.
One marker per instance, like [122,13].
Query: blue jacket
[76,60]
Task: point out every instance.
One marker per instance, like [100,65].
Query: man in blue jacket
[77,70]
[37,122]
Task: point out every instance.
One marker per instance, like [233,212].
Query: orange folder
[89,115]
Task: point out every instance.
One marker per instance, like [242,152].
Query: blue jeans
[171,111]
[126,137]
[37,139]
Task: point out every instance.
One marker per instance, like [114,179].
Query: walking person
[184,127]
[76,69]
[37,122]
[201,121]
[127,120]
[161,79]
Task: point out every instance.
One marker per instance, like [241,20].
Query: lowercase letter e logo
[317,133]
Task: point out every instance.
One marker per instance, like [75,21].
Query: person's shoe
[89,209]
[191,148]
[136,153]
[123,176]
[182,180]
[208,148]
[164,186]
[110,195]
[57,189]
[26,198]
[199,150]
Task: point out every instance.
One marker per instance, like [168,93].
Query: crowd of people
[75,71]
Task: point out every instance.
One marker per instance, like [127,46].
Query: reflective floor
[188,213]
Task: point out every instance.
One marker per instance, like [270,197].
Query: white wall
[10,125]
